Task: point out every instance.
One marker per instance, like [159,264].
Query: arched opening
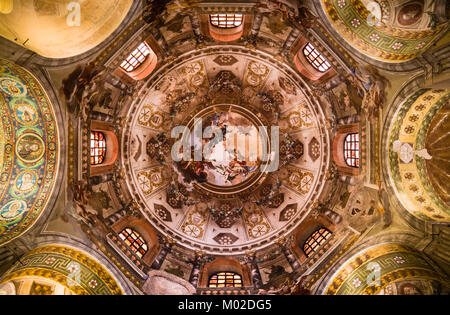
[346,150]
[140,63]
[315,241]
[310,62]
[226,21]
[98,147]
[224,269]
[225,280]
[134,241]
[313,238]
[103,148]
[315,58]
[351,150]
[226,27]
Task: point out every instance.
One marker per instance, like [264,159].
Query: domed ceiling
[60,20]
[232,200]
[28,162]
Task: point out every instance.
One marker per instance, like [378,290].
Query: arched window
[351,149]
[134,241]
[98,147]
[136,58]
[226,20]
[315,58]
[316,239]
[225,280]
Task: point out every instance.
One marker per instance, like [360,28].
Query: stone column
[195,273]
[195,21]
[292,37]
[96,180]
[256,275]
[101,117]
[166,247]
[290,257]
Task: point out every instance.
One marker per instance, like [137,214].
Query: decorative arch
[59,269]
[389,262]
[416,164]
[30,156]
[372,28]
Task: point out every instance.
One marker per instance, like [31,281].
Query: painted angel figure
[81,209]
[375,85]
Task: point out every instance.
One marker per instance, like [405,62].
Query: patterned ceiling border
[30,160]
[67,266]
[391,262]
[349,17]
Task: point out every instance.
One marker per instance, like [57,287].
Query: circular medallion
[231,158]
[26,181]
[254,80]
[157,120]
[197,80]
[13,210]
[24,111]
[192,230]
[12,87]
[30,148]
[410,14]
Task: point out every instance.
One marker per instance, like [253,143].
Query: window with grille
[136,58]
[315,58]
[134,241]
[226,20]
[351,150]
[225,280]
[316,239]
[98,147]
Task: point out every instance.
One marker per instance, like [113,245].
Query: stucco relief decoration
[225,197]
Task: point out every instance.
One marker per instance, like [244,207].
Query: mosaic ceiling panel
[381,38]
[29,155]
[71,268]
[412,158]
[369,272]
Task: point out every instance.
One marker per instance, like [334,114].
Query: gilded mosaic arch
[382,42]
[69,267]
[408,159]
[387,263]
[30,150]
